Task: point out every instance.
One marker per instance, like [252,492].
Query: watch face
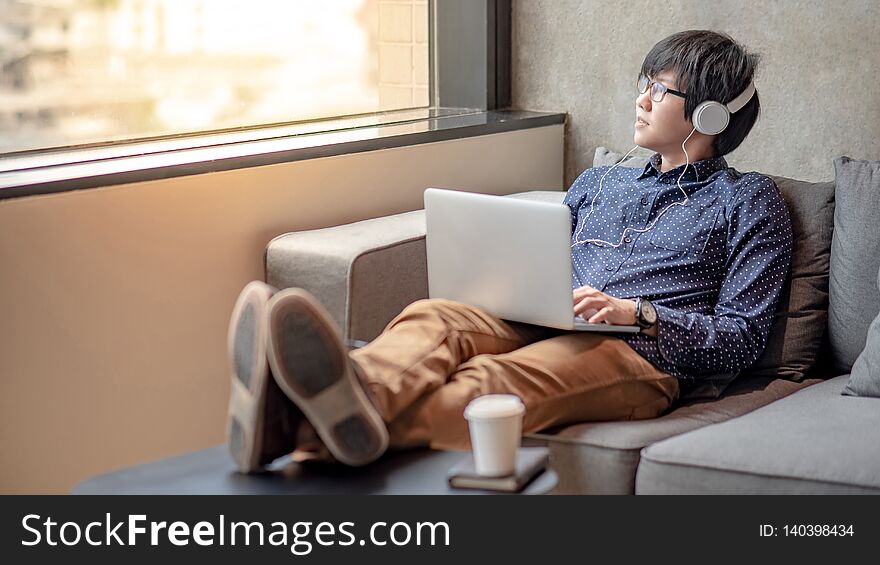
[649,313]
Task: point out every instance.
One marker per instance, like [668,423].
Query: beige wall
[115,301]
[818,83]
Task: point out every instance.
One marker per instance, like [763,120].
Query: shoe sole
[246,344]
[311,366]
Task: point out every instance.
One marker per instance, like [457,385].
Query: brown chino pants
[437,355]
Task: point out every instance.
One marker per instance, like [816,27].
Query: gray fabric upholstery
[814,441]
[865,377]
[366,272]
[602,457]
[796,336]
[604,157]
[855,256]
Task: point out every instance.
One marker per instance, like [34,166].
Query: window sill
[29,174]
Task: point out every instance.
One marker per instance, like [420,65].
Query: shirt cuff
[672,330]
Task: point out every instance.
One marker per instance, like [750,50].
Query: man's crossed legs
[295,383]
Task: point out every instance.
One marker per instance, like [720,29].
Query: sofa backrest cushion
[865,377]
[854,299]
[605,157]
[799,324]
[795,339]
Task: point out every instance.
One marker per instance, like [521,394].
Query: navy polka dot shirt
[713,268]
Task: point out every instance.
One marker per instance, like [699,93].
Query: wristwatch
[646,314]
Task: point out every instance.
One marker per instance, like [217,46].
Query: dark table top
[212,471]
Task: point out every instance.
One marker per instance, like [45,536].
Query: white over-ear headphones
[711,117]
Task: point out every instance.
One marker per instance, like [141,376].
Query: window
[101,92]
[88,72]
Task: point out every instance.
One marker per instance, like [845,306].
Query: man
[688,248]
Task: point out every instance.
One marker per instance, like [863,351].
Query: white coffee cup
[495,423]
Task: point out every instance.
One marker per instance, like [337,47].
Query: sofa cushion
[795,339]
[781,448]
[865,377]
[855,256]
[602,457]
[604,157]
[796,335]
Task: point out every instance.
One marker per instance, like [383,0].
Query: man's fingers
[599,316]
[585,291]
[588,302]
[586,288]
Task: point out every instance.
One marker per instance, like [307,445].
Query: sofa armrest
[364,273]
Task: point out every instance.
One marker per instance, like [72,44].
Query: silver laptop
[509,256]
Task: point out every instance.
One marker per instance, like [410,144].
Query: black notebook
[530,461]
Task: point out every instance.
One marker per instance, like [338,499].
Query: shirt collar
[698,171]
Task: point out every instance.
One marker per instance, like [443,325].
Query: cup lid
[494,406]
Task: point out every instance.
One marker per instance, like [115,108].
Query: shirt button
[609,268]
[644,200]
[627,239]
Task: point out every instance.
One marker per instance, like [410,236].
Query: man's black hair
[709,65]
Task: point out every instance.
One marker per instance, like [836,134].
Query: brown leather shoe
[311,365]
[262,421]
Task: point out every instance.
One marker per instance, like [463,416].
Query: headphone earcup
[710,117]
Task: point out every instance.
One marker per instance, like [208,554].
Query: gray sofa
[782,426]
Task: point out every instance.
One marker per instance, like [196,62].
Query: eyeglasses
[658,90]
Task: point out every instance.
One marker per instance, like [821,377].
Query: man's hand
[611,310]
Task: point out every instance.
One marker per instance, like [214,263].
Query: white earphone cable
[651,226]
